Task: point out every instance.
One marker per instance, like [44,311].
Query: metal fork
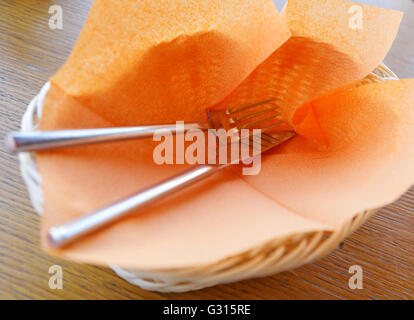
[262,115]
[73,230]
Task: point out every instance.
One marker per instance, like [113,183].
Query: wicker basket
[267,259]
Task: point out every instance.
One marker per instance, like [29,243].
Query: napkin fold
[159,62]
[368,163]
[148,61]
[323,53]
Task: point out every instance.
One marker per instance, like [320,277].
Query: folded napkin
[143,62]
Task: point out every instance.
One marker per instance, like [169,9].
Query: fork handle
[71,231]
[43,140]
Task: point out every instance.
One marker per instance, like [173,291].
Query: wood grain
[29,54]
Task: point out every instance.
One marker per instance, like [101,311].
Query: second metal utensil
[73,230]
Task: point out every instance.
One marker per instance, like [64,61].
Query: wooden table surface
[30,53]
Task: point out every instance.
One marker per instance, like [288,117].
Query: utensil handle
[69,232]
[43,140]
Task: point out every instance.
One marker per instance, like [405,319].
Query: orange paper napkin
[152,62]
